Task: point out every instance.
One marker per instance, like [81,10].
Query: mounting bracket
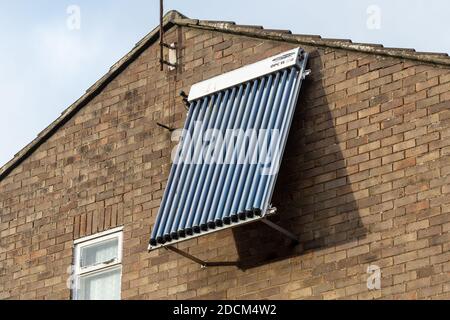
[306,74]
[165,127]
[205,264]
[172,63]
[170,46]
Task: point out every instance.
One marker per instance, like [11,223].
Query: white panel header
[245,74]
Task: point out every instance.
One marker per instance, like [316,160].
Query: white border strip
[98,235]
[227,80]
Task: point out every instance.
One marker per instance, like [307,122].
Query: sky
[52,51]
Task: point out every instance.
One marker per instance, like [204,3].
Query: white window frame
[100,268]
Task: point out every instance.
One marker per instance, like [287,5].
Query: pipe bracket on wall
[173,56]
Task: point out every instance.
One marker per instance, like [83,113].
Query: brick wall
[365,181]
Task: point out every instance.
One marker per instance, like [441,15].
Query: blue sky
[45,65]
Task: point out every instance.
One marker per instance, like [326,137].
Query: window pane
[101,252]
[101,286]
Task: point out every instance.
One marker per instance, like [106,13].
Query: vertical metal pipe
[161,32]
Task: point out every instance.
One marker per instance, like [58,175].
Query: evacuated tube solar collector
[204,195]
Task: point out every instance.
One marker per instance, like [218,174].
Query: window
[98,266]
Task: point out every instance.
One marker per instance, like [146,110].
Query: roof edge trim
[317,41]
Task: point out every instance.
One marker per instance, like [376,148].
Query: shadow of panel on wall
[313,194]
